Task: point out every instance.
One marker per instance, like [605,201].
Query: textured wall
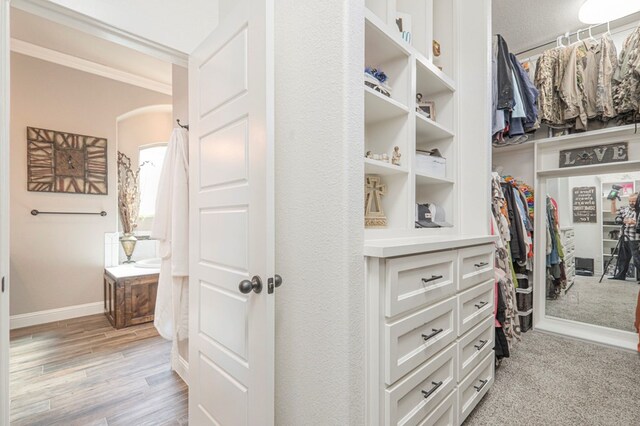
[58,261]
[319,224]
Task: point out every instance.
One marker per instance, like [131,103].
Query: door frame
[4,209]
[72,19]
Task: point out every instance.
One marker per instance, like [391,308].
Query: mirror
[592,251]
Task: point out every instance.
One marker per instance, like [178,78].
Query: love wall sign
[597,154]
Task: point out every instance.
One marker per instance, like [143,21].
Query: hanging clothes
[556,273]
[171,229]
[501,217]
[514,97]
[581,85]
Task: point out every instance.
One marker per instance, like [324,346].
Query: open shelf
[432,81]
[425,179]
[378,107]
[376,167]
[428,130]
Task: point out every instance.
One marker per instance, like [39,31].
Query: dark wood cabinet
[129,295]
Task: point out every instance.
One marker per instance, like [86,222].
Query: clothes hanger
[578,35]
[591,35]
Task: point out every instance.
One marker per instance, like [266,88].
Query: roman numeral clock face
[66,162]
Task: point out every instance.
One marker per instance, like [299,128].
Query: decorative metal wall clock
[66,162]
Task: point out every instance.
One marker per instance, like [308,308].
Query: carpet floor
[609,304]
[555,381]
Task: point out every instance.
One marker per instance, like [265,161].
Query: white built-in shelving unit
[411,68]
[429,292]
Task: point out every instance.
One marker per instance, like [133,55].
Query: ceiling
[528,23]
[178,24]
[44,33]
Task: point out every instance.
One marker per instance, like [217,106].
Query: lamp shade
[599,11]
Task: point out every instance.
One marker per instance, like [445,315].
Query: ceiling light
[599,11]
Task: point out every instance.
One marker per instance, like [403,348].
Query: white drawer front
[413,398]
[475,386]
[476,265]
[414,339]
[474,346]
[474,305]
[446,414]
[413,281]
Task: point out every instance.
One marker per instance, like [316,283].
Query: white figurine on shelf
[395,160]
[385,157]
[369,155]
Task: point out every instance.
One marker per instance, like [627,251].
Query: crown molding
[61,15]
[39,52]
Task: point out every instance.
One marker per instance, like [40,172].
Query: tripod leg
[616,251]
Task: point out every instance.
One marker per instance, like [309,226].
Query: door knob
[255,284]
[278,280]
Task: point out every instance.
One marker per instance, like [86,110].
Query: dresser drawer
[476,265]
[413,398]
[445,414]
[474,305]
[475,386]
[474,346]
[413,281]
[414,339]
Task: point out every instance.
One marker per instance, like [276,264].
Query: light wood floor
[84,372]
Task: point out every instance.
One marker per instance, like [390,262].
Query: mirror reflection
[592,249]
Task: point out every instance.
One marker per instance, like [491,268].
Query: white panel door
[231,354]
[4,212]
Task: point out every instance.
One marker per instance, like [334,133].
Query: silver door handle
[255,284]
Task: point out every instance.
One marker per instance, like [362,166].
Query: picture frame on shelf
[426,108]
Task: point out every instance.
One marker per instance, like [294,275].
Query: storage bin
[431,165]
[524,301]
[526,321]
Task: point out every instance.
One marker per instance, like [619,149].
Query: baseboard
[181,366]
[59,314]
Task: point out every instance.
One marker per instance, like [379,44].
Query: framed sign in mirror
[66,162]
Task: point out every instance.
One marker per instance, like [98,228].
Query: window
[151,159]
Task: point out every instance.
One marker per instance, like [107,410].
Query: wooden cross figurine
[373,213]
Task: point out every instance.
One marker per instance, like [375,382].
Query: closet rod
[37,212]
[566,35]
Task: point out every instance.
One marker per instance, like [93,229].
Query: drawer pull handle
[481,264]
[429,336]
[433,278]
[479,388]
[435,387]
[481,305]
[481,345]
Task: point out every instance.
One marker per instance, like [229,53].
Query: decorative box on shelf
[431,163]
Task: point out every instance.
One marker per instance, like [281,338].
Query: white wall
[319,223]
[57,261]
[587,235]
[190,22]
[474,97]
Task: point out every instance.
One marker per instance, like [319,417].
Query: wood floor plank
[84,372]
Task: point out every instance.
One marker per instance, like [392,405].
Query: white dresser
[430,329]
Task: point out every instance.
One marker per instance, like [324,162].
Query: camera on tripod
[614,193]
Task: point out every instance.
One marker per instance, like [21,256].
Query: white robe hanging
[171,229]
